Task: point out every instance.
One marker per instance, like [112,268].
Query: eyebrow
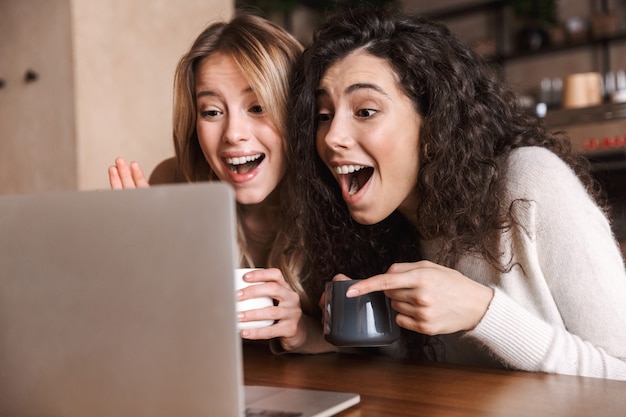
[211,93]
[352,88]
[207,93]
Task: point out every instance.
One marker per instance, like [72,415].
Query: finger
[263,333]
[258,290]
[259,314]
[399,276]
[322,301]
[382,282]
[406,295]
[265,275]
[284,297]
[341,277]
[282,327]
[274,290]
[139,178]
[124,173]
[405,266]
[114,178]
[410,323]
[405,308]
[280,290]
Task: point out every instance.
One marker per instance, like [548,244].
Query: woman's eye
[365,113]
[256,109]
[324,117]
[210,113]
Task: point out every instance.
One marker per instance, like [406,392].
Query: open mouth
[244,164]
[353,177]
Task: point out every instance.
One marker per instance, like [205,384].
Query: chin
[365,219]
[250,199]
[371,217]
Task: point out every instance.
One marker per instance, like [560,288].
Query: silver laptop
[121,303]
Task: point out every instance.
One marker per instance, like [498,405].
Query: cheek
[207,136]
[403,159]
[270,138]
[275,146]
[279,158]
[208,140]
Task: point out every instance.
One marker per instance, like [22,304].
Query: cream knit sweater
[562,308]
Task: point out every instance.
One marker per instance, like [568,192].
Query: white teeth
[348,169]
[243,159]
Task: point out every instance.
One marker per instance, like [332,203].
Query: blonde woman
[230,104]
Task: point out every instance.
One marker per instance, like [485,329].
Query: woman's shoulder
[166,172]
[533,162]
[534,155]
[535,171]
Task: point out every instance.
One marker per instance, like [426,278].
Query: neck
[408,208]
[259,224]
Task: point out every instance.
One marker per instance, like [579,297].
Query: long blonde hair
[265,54]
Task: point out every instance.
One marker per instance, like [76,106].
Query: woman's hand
[322,301]
[288,319]
[429,298]
[121,175]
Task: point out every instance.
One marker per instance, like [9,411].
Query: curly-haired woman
[393,115]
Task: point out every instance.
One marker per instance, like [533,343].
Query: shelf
[607,159]
[601,113]
[563,47]
[465,9]
[498,7]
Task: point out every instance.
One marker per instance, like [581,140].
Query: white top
[562,308]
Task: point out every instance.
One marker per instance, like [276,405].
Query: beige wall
[104,87]
[37,146]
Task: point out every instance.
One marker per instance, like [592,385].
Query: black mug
[363,321]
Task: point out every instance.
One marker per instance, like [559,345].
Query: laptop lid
[122,303]
[110,301]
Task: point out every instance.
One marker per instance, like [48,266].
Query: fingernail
[352,292]
[240,316]
[239,293]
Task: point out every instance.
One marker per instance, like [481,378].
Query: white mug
[251,304]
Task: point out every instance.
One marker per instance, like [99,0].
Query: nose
[237,128]
[336,135]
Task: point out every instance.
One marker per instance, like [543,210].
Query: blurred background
[83,82]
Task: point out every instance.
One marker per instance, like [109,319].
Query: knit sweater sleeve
[567,246]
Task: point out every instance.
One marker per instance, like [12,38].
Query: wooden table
[390,387]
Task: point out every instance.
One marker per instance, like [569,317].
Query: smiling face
[368,136]
[239,141]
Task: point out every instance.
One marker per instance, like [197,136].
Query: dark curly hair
[471,123]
